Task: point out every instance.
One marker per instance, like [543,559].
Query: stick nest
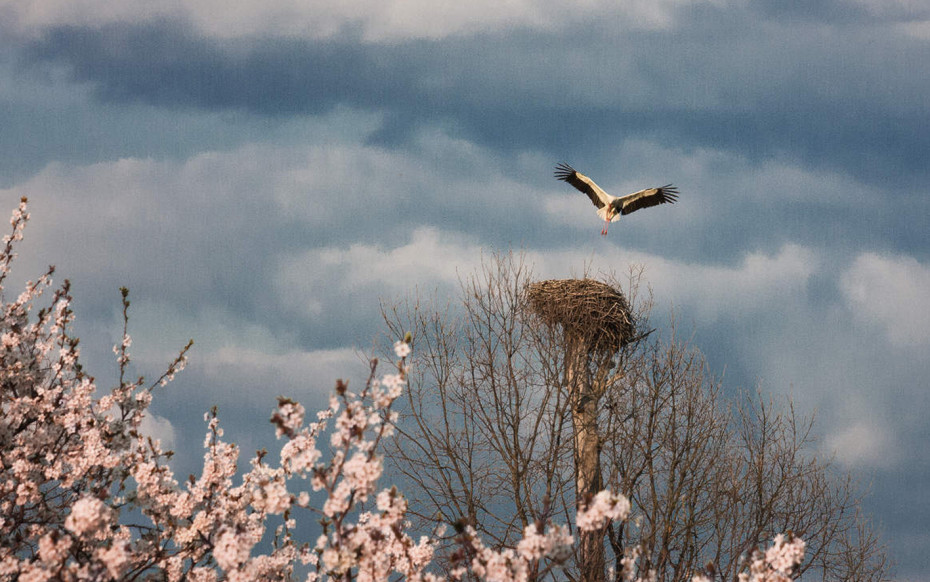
[587,309]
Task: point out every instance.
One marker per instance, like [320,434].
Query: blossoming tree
[85,495]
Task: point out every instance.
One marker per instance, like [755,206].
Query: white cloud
[256,377]
[759,282]
[310,281]
[377,19]
[918,29]
[899,8]
[29,15]
[862,444]
[433,258]
[158,428]
[893,293]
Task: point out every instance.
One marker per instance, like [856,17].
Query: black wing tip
[564,171]
[669,192]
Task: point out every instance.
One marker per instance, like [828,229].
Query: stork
[610,208]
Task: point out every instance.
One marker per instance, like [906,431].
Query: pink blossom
[88,515]
[777,563]
[32,572]
[52,550]
[605,507]
[202,574]
[362,472]
[628,564]
[288,418]
[402,349]
[785,554]
[556,543]
[299,455]
[116,558]
[231,550]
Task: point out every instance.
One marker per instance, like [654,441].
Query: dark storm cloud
[810,10]
[845,96]
[168,66]
[839,11]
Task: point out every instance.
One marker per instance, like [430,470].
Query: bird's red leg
[607,216]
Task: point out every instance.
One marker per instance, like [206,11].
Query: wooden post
[596,323]
[587,454]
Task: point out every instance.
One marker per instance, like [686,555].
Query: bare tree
[712,479]
[504,399]
[485,437]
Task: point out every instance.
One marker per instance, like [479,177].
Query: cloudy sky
[260,174]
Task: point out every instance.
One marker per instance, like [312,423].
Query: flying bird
[610,208]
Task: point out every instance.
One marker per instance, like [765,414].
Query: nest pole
[596,323]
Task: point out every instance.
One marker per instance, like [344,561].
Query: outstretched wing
[583,183]
[667,194]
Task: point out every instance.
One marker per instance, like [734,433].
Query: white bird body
[611,208]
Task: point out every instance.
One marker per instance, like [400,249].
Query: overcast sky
[260,174]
